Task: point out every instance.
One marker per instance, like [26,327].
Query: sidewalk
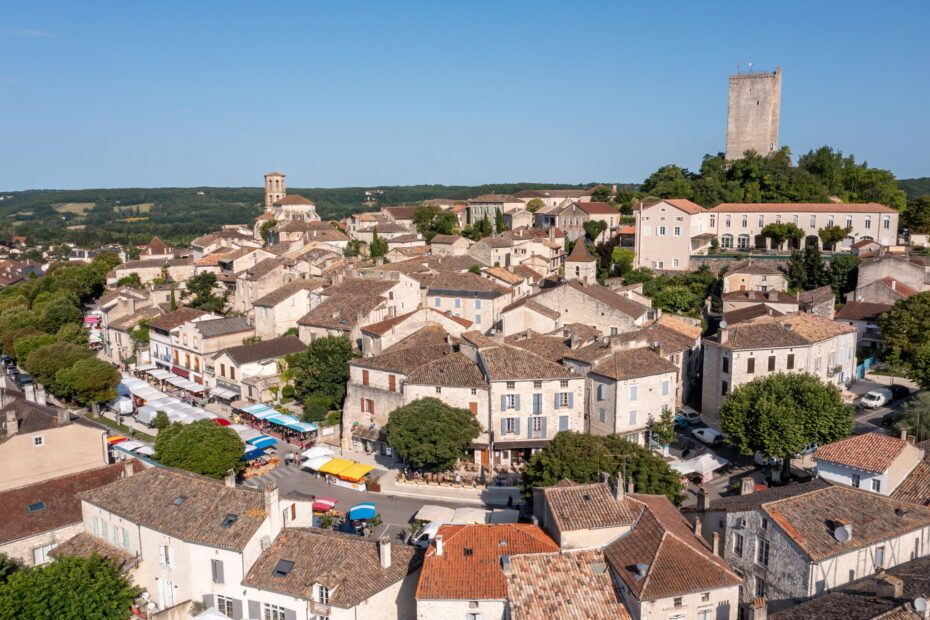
[490,496]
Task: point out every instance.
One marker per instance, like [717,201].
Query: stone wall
[753,108]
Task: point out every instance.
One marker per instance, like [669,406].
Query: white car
[708,435]
[876,398]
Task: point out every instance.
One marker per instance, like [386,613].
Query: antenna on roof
[920,604]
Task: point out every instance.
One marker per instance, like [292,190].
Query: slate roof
[789,330]
[862,311]
[679,562]
[59,495]
[563,586]
[871,452]
[817,296]
[265,349]
[212,328]
[288,290]
[170,320]
[348,565]
[632,363]
[453,370]
[588,506]
[151,499]
[507,363]
[477,574]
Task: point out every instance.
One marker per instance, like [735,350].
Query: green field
[77,208]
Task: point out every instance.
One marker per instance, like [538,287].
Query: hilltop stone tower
[580,265]
[275,190]
[752,113]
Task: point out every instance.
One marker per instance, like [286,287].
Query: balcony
[319,609]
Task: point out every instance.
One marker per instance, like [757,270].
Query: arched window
[726,241]
[743,242]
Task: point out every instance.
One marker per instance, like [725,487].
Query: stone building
[753,108]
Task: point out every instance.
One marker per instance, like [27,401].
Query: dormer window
[283,568]
[229,519]
[322,594]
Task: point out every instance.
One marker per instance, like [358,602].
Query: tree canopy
[201,291]
[89,380]
[781,413]
[906,330]
[202,447]
[378,246]
[915,417]
[430,434]
[69,587]
[582,458]
[430,221]
[323,369]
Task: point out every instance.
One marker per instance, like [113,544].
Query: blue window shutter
[516,426]
[516,402]
[543,428]
[503,426]
[503,402]
[537,403]
[529,428]
[556,400]
[563,422]
[571,399]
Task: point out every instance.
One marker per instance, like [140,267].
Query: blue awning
[262,441]
[254,407]
[260,411]
[292,423]
[362,511]
[251,455]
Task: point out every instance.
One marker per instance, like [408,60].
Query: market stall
[345,473]
[262,441]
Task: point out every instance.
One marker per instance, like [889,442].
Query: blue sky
[115,94]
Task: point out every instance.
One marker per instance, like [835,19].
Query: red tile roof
[470,565]
[599,208]
[872,452]
[682,204]
[899,287]
[294,199]
[580,254]
[802,207]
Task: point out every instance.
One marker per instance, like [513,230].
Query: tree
[161,421]
[69,587]
[831,235]
[430,434]
[780,414]
[915,417]
[202,288]
[430,221]
[201,447]
[806,270]
[622,259]
[8,566]
[131,280]
[843,272]
[669,182]
[378,246]
[90,380]
[582,458]
[475,269]
[917,364]
[601,193]
[140,335]
[499,225]
[594,228]
[677,299]
[352,248]
[316,407]
[265,229]
[323,368]
[56,315]
[72,333]
[535,205]
[663,429]
[778,233]
[45,362]
[906,330]
[916,217]
[27,344]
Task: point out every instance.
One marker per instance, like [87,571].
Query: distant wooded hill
[915,187]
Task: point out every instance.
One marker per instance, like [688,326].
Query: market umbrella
[362,511]
[316,451]
[323,504]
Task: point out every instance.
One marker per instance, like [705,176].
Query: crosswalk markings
[274,474]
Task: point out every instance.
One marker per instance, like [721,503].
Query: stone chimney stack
[715,543]
[619,493]
[384,552]
[697,525]
[40,396]
[438,542]
[30,391]
[702,500]
[12,424]
[724,335]
[758,610]
[273,507]
[230,478]
[904,434]
[747,485]
[64,416]
[889,586]
[128,468]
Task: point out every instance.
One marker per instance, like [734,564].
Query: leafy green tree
[132,279]
[906,330]
[352,248]
[582,458]
[10,337]
[779,233]
[843,272]
[601,193]
[677,299]
[57,315]
[916,217]
[915,417]
[806,270]
[8,566]
[45,362]
[594,228]
[475,269]
[322,369]
[201,289]
[72,333]
[27,344]
[535,205]
[265,229]
[430,434]
[140,335]
[781,413]
[69,587]
[663,429]
[831,235]
[378,246]
[669,182]
[316,407]
[430,221]
[90,380]
[478,230]
[499,225]
[201,447]
[161,421]
[622,259]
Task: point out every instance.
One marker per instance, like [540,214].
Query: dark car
[899,391]
[22,379]
[6,360]
[889,418]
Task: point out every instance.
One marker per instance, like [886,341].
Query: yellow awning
[355,472]
[337,466]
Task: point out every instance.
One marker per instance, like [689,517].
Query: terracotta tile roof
[170,320]
[445,239]
[678,562]
[748,313]
[506,363]
[460,574]
[580,253]
[902,289]
[434,264]
[916,487]
[212,328]
[789,330]
[563,586]
[84,545]
[60,498]
[626,230]
[813,297]
[807,519]
[597,208]
[345,303]
[382,327]
[213,258]
[403,212]
[553,193]
[505,275]
[153,499]
[552,348]
[609,298]
[588,506]
[777,297]
[632,363]
[131,321]
[419,348]
[265,349]
[387,228]
[260,270]
[489,198]
[526,272]
[294,199]
[289,290]
[155,246]
[454,370]
[682,204]
[479,340]
[465,282]
[755,500]
[872,452]
[802,207]
[753,268]
[348,565]
[407,238]
[586,333]
[153,263]
[862,311]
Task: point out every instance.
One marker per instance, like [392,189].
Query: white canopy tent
[317,451]
[430,512]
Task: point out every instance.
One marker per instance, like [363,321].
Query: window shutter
[237,608]
[255,609]
[290,614]
[537,403]
[163,555]
[516,402]
[563,422]
[516,428]
[571,399]
[503,426]
[217,566]
[208,600]
[543,428]
[556,400]
[529,428]
[503,402]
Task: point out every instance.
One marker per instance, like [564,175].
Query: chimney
[889,586]
[630,487]
[618,488]
[30,391]
[715,543]
[702,500]
[894,284]
[40,396]
[438,541]
[758,610]
[657,347]
[724,335]
[751,295]
[128,468]
[747,485]
[506,567]
[697,525]
[904,434]
[273,507]
[64,416]
[384,552]
[12,424]
[552,233]
[230,478]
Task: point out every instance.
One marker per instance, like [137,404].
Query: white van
[877,398]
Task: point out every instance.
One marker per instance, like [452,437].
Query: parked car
[807,449]
[6,360]
[708,435]
[690,415]
[680,422]
[876,398]
[899,391]
[22,379]
[889,419]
